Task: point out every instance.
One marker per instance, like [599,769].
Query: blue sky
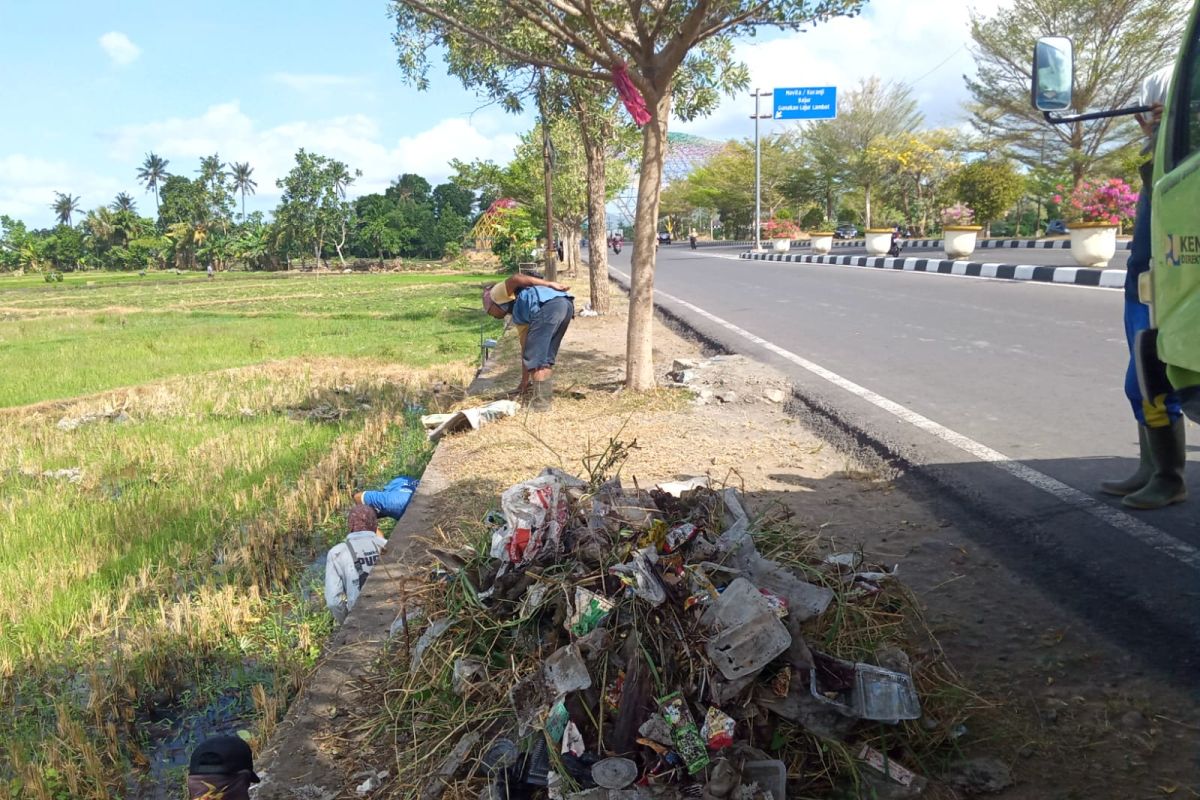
[90,88]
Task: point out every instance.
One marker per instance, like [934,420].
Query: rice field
[174,454]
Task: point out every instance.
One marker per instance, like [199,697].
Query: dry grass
[152,562]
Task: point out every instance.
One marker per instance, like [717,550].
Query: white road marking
[1148,535]
[910,264]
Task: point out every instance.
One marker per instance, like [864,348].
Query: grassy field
[174,452]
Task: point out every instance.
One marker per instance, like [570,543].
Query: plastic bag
[535,514]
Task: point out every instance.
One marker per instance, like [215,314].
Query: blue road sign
[806,102]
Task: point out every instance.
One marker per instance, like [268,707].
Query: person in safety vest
[1158,480]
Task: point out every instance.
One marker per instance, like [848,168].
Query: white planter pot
[959,240]
[822,243]
[781,245]
[879,241]
[1093,244]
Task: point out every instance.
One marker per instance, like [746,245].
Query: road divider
[1078,276]
[982,244]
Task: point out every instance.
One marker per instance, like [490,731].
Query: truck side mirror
[1053,73]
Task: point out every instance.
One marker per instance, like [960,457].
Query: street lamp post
[758,170]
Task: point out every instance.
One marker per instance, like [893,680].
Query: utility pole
[551,257]
[758,170]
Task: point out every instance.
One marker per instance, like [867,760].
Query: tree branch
[717,25]
[677,48]
[554,28]
[517,55]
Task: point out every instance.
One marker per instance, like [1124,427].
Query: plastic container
[885,695]
[769,775]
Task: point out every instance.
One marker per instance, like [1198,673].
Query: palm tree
[243,183]
[123,202]
[64,206]
[153,172]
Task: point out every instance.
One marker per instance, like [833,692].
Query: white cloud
[119,48]
[924,44]
[28,184]
[308,82]
[356,139]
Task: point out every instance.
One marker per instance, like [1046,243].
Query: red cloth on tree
[635,104]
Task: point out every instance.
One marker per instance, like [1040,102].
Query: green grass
[63,340]
[177,559]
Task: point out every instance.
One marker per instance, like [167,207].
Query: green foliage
[152,173]
[990,187]
[312,211]
[516,236]
[411,219]
[1118,43]
[813,218]
[64,206]
[15,244]
[846,150]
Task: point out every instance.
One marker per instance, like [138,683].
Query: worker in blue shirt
[542,311]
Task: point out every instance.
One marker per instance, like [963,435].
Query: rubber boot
[1168,453]
[543,395]
[1140,477]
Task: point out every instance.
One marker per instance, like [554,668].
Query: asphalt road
[1000,400]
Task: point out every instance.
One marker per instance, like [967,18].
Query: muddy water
[172,732]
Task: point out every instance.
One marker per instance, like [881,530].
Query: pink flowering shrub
[1113,201]
[781,229]
[958,214]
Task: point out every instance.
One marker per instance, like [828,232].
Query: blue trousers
[1157,412]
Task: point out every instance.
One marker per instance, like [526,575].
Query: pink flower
[1058,198]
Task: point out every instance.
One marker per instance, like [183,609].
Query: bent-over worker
[542,312]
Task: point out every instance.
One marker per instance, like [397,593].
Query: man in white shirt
[350,561]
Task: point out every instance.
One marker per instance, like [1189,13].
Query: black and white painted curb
[982,244]
[1078,276]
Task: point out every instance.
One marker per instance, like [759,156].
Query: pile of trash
[607,643]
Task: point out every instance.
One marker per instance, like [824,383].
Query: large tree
[638,47]
[990,187]
[918,168]
[1117,44]
[152,173]
[312,211]
[867,114]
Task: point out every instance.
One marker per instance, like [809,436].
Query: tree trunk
[1077,167]
[597,219]
[639,340]
[867,205]
[550,256]
[341,243]
[572,250]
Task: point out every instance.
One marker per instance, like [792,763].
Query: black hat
[223,755]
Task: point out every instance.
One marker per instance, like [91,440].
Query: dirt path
[1072,716]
